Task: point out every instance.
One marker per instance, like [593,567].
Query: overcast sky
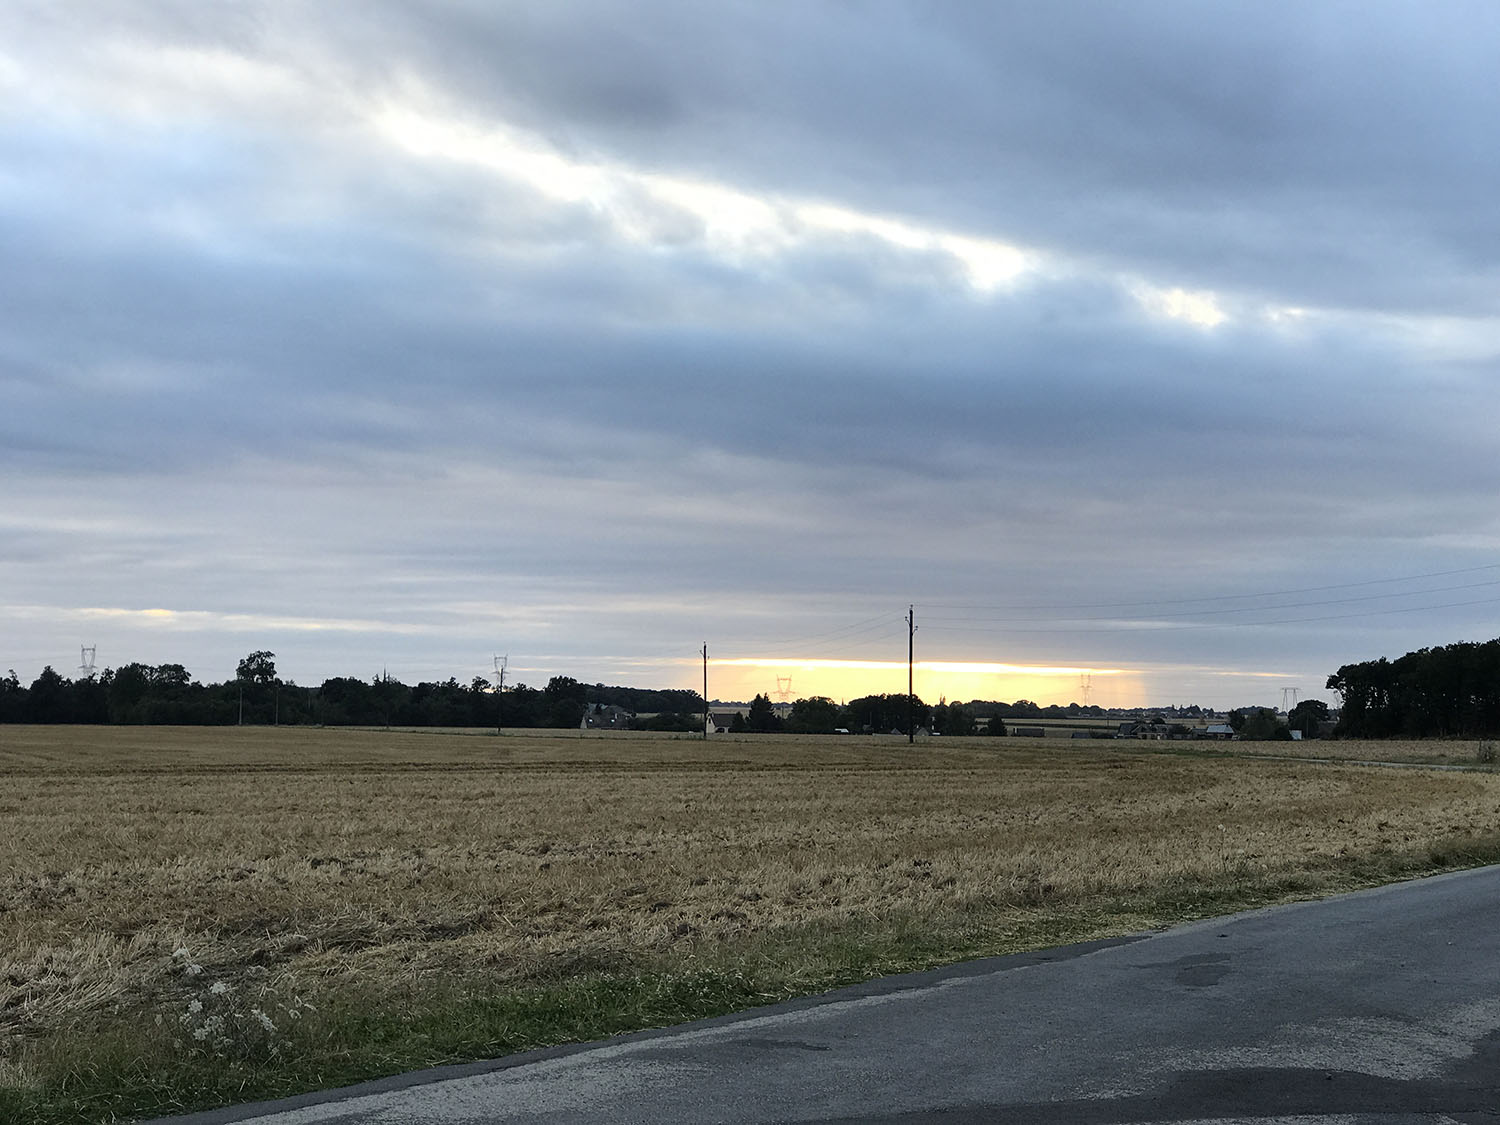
[1151,341]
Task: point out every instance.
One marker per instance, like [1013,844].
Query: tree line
[880,714]
[1451,691]
[167,694]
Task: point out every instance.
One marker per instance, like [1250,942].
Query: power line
[1248,608]
[869,623]
[1165,626]
[1218,597]
[860,635]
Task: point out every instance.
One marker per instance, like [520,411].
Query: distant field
[1435,752]
[436,896]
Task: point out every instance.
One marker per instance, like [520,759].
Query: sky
[1145,353]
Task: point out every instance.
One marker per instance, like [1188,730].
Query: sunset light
[742,678]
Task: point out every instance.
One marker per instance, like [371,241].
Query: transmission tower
[784,688]
[86,654]
[1086,685]
[1288,692]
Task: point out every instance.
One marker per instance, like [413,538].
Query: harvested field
[1472,753]
[400,870]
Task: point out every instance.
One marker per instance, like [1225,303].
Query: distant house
[1151,732]
[606,716]
[719,722]
[1028,732]
[1218,732]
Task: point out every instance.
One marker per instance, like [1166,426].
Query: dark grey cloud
[1222,141]
[264,355]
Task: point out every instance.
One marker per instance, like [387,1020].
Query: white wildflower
[194,1007]
[200,1033]
[192,968]
[218,988]
[263,1019]
[181,951]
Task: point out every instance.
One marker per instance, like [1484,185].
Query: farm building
[719,722]
[606,716]
[1153,732]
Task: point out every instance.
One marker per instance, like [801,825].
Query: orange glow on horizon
[842,680]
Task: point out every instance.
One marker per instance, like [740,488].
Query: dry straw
[299,863]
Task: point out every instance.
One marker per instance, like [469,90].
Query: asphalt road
[1382,1006]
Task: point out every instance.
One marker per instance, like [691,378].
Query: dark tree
[672,721]
[1262,725]
[817,714]
[1308,716]
[883,713]
[958,722]
[48,700]
[12,698]
[257,668]
[566,700]
[762,716]
[88,702]
[1451,691]
[389,696]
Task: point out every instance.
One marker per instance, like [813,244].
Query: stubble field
[389,900]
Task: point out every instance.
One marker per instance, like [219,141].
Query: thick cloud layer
[394,336]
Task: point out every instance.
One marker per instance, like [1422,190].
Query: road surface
[1381,1006]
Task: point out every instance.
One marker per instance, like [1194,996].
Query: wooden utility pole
[500,665]
[911,634]
[705,690]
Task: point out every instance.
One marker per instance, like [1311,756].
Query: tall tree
[48,700]
[762,715]
[257,668]
[565,700]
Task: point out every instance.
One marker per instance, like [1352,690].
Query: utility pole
[500,663]
[911,634]
[242,703]
[705,691]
